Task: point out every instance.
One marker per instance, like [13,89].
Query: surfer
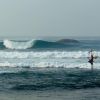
[91,58]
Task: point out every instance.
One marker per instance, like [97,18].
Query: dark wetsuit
[91,60]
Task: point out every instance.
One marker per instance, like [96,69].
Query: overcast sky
[49,18]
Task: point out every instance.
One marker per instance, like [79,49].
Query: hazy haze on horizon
[35,18]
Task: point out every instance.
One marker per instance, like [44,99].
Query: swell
[51,79]
[64,43]
[2,45]
[10,44]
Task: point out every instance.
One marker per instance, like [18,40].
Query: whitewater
[44,69]
[16,45]
[45,59]
[43,53]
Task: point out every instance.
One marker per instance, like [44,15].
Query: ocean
[46,69]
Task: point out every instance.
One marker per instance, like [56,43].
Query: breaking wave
[18,45]
[10,44]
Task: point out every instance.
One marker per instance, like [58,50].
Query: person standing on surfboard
[91,58]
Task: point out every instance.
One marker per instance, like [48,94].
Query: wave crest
[18,45]
[11,44]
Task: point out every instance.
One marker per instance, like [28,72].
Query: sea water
[46,70]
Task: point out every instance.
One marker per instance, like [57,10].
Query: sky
[49,18]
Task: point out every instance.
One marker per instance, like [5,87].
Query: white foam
[46,54]
[16,45]
[67,59]
[50,64]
